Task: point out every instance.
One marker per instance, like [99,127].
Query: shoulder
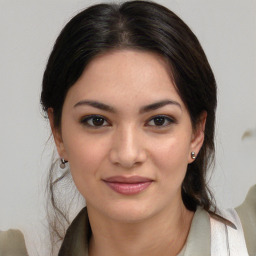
[12,243]
[247,215]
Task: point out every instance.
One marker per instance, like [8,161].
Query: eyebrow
[142,110]
[157,105]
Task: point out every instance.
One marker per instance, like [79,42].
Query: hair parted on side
[145,26]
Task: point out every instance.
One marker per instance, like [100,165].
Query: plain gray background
[28,29]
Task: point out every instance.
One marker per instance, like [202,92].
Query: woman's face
[127,136]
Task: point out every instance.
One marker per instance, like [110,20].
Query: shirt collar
[76,241]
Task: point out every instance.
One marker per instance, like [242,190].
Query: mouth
[128,185]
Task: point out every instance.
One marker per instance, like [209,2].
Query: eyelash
[167,119]
[85,121]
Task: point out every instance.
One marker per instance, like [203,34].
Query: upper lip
[131,179]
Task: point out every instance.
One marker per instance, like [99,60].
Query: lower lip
[128,188]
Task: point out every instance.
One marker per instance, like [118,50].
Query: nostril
[127,160]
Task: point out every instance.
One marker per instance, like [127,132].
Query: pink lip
[128,185]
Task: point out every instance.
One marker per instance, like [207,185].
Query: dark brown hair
[146,26]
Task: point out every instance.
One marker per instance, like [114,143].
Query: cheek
[171,158]
[85,155]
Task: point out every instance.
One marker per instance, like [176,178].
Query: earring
[63,163]
[193,155]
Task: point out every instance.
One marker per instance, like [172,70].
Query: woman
[131,101]
[127,91]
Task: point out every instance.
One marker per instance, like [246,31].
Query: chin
[129,212]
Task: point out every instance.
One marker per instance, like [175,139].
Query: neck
[164,234]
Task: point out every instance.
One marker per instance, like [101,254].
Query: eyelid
[84,120]
[169,118]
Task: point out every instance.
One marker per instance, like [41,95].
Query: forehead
[123,76]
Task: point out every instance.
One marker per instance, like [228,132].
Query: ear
[197,139]
[56,135]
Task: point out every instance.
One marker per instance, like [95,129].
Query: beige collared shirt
[78,234]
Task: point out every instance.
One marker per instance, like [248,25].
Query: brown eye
[160,121]
[97,121]
[94,121]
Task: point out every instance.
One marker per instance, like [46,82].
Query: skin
[126,143]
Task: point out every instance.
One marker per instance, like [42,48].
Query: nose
[127,148]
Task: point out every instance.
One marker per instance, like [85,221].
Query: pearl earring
[193,155]
[63,163]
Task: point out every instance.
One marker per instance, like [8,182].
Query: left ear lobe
[198,136]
